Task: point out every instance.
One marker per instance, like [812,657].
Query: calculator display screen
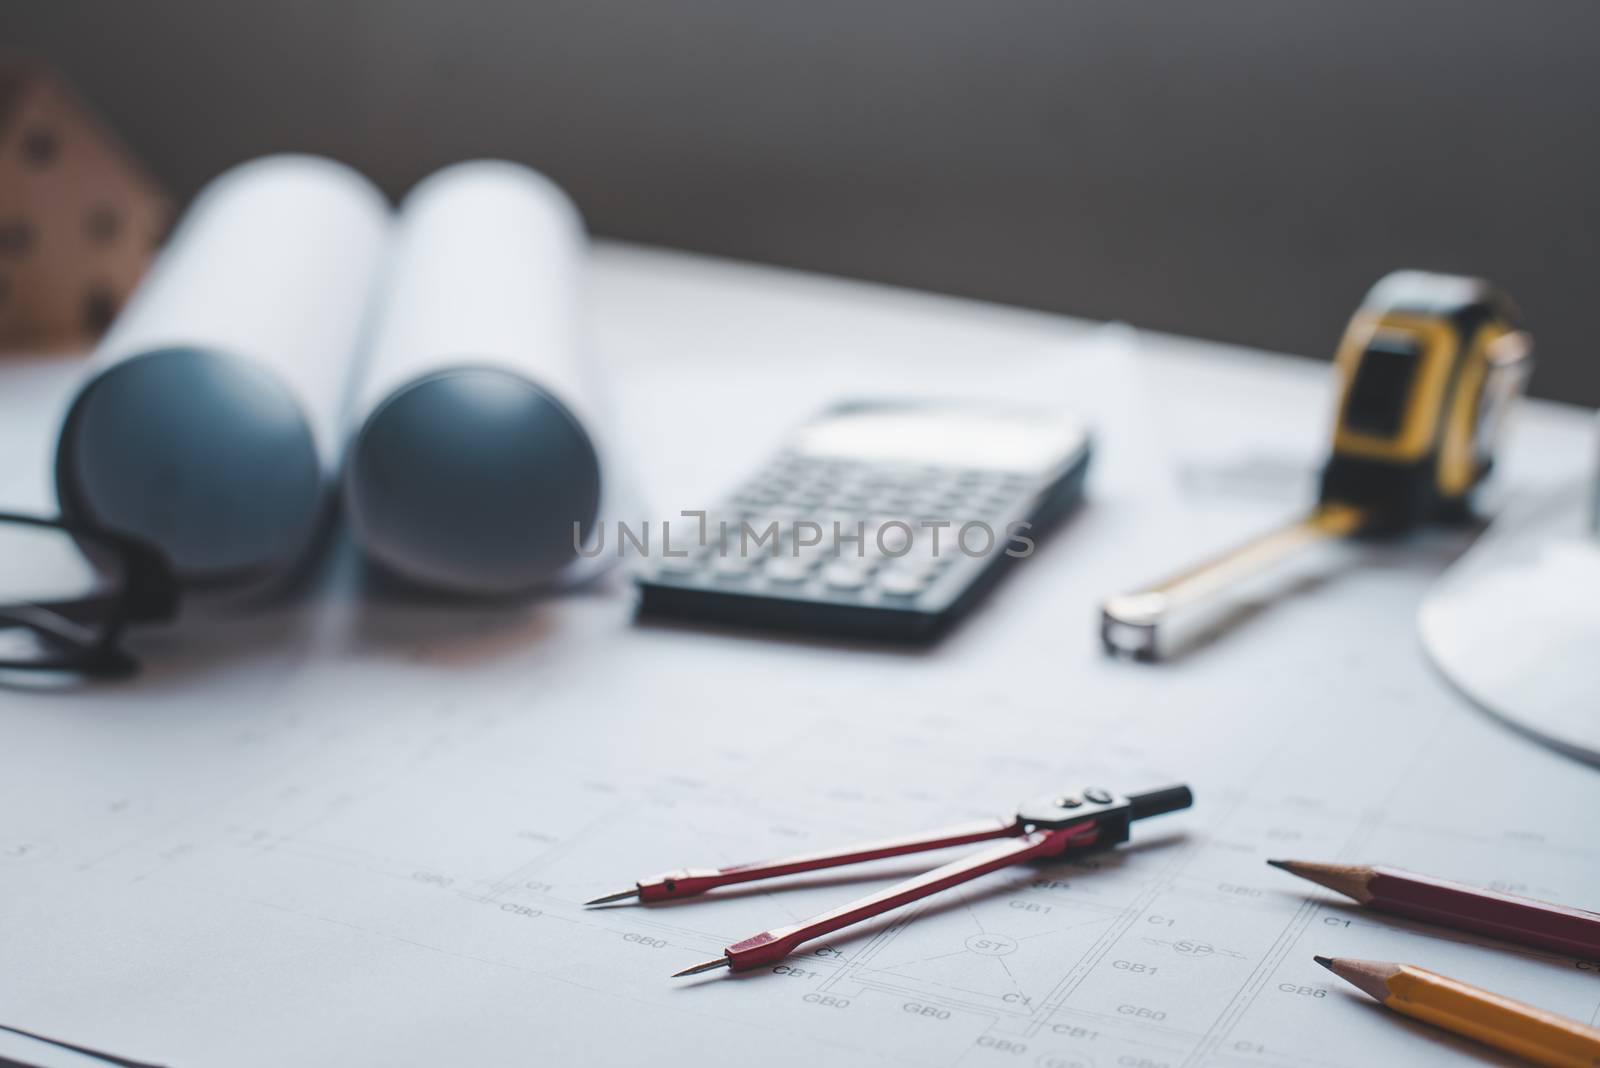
[945,436]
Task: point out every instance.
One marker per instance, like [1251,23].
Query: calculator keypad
[890,564]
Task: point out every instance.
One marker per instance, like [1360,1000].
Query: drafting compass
[1427,370]
[1057,826]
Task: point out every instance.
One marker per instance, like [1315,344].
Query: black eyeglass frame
[83,632]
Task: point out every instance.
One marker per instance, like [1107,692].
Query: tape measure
[1427,369]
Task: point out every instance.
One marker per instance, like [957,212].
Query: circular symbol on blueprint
[991,945]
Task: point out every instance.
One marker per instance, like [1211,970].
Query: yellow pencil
[1541,1037]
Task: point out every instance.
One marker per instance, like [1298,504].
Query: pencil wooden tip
[1348,879]
[1371,977]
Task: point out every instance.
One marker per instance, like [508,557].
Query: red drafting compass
[1057,826]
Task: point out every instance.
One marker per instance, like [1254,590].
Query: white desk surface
[356,830]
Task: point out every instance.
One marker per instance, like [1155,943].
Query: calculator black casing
[1049,497]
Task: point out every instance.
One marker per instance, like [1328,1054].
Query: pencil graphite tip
[1326,962]
[606,899]
[1282,865]
[705,966]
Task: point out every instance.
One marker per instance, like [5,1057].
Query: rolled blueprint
[472,461]
[209,422]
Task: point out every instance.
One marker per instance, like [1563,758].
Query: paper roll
[209,421]
[473,459]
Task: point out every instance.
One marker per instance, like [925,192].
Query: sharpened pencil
[1481,1015]
[1523,920]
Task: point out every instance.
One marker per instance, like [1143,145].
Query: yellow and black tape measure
[1427,369]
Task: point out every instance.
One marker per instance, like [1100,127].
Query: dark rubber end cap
[470,481]
[203,455]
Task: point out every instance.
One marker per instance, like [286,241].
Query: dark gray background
[1238,169]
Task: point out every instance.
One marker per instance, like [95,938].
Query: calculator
[877,519]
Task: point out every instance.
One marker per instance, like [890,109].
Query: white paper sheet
[209,415]
[358,832]
[487,257]
[275,263]
[477,437]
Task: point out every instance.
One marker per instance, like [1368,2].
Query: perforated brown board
[79,217]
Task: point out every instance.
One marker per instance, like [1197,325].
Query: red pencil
[1524,920]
